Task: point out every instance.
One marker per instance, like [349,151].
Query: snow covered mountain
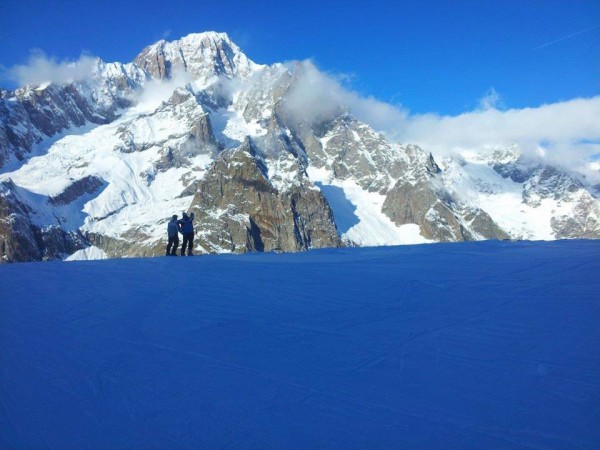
[96,167]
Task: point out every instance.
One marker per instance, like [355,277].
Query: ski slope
[473,345]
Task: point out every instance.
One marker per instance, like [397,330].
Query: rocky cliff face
[23,240]
[202,55]
[352,150]
[239,208]
[420,197]
[17,238]
[406,175]
[195,125]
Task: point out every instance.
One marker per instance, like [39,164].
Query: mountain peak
[202,55]
[214,36]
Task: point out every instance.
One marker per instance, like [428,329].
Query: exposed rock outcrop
[21,240]
[238,208]
[133,243]
[202,55]
[582,217]
[86,185]
[419,197]
[17,236]
[353,150]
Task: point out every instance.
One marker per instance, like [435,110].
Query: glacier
[459,345]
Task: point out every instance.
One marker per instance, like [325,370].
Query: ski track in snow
[473,345]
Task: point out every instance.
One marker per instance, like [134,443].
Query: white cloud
[565,133]
[317,96]
[42,69]
[156,91]
[491,100]
[560,128]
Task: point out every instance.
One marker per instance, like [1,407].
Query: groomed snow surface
[471,345]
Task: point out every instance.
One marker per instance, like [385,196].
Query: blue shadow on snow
[344,212]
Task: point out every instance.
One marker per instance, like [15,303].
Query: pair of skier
[185,226]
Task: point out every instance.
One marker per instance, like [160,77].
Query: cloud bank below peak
[316,96]
[565,133]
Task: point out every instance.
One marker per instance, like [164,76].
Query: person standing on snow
[173,234]
[186,226]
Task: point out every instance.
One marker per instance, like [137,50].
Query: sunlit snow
[358,213]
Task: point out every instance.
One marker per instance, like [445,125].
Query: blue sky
[429,56]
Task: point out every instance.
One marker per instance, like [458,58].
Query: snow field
[479,184]
[127,200]
[471,345]
[358,213]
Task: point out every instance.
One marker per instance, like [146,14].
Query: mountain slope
[527,200]
[471,345]
[132,144]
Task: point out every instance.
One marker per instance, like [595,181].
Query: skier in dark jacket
[186,226]
[173,233]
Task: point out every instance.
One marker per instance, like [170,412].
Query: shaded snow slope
[476,345]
